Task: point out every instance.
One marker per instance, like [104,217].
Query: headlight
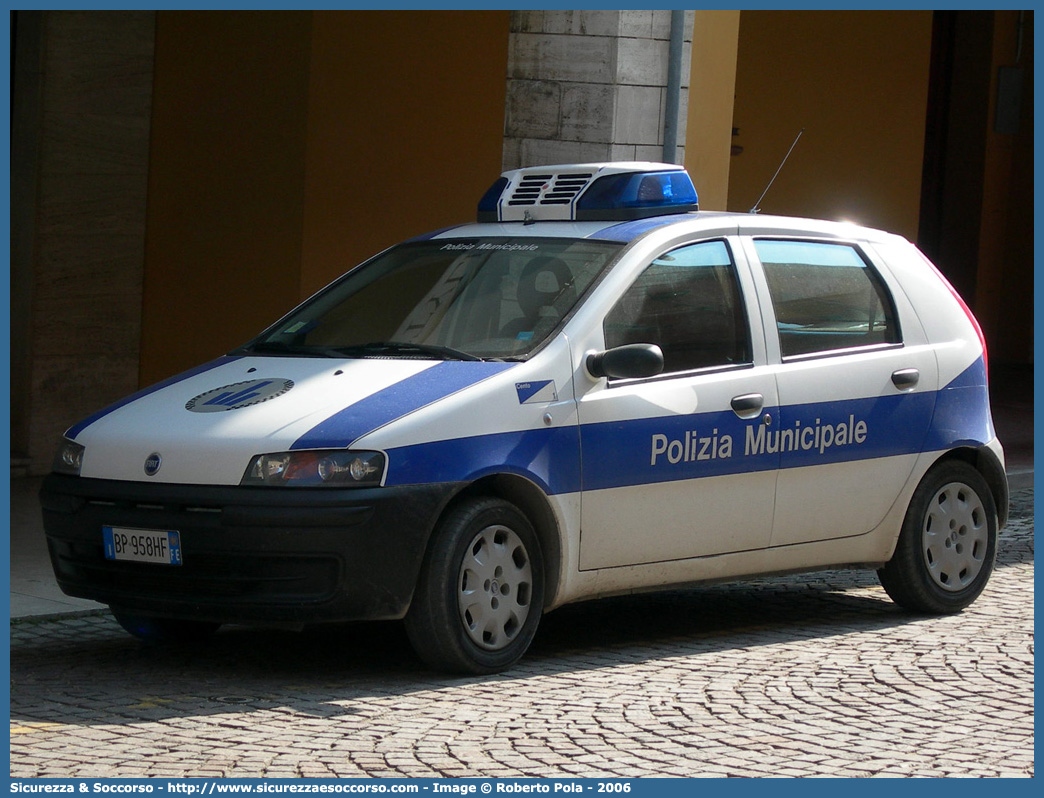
[308,469]
[68,459]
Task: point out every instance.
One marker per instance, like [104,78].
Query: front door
[667,469]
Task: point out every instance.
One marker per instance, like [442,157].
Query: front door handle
[748,405]
[905,379]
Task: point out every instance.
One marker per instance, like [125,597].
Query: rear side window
[687,301]
[826,297]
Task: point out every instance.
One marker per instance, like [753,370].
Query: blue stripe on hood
[395,401]
[79,427]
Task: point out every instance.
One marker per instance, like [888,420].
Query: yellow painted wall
[712,89]
[289,146]
[857,82]
[226,188]
[405,129]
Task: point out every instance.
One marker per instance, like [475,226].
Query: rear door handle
[748,405]
[904,379]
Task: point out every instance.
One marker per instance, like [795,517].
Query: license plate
[142,545]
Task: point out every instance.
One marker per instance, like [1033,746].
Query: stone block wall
[590,86]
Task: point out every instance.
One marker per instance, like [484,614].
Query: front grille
[173,507]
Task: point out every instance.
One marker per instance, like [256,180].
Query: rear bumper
[282,555]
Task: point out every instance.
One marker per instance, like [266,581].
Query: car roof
[712,222]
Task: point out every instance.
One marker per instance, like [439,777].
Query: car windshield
[464,299]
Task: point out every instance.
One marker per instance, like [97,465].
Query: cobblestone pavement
[798,676]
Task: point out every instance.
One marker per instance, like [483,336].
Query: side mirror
[627,362]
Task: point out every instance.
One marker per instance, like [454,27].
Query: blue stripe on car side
[672,448]
[962,412]
[395,401]
[668,448]
[548,457]
[894,425]
[79,427]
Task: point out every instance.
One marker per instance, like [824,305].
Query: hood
[206,424]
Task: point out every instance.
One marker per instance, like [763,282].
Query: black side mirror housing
[627,362]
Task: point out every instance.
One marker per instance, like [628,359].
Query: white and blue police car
[595,389]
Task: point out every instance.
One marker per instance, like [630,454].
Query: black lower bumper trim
[249,554]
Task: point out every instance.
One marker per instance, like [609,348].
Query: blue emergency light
[589,192]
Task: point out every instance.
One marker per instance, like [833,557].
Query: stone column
[590,86]
[80,137]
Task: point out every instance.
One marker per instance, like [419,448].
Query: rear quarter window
[826,297]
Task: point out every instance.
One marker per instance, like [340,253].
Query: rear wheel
[948,543]
[163,630]
[481,592]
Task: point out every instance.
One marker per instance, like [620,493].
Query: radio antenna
[756,209]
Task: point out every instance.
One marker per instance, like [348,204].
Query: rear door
[856,383]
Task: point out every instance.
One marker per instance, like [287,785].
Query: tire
[163,630]
[481,590]
[948,544]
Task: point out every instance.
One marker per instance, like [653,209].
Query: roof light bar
[589,192]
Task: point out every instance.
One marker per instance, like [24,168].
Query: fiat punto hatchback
[596,389]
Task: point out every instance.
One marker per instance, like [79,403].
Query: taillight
[967,312]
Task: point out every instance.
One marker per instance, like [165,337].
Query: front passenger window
[688,302]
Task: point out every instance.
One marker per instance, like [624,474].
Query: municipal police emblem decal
[237,395]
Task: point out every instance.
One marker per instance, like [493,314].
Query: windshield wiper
[281,348]
[402,347]
[374,348]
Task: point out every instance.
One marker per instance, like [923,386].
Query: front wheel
[481,591]
[948,543]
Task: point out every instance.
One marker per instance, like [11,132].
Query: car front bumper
[282,555]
